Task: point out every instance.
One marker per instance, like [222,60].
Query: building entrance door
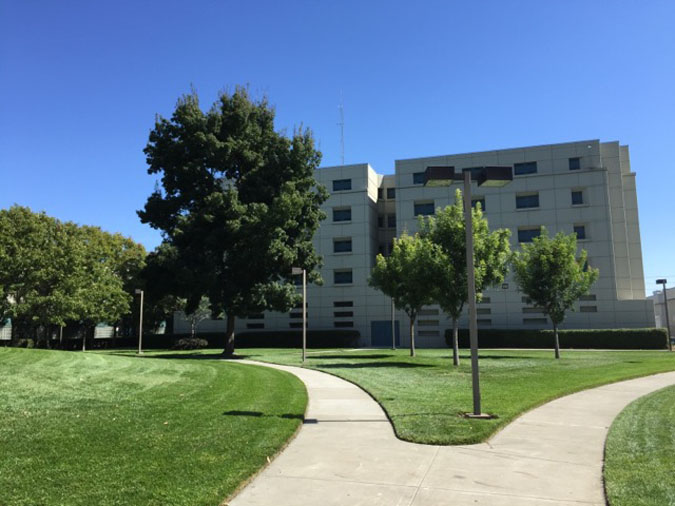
[380,333]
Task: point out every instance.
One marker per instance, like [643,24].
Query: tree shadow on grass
[395,365]
[330,356]
[259,414]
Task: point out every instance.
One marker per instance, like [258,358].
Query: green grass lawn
[100,429]
[640,452]
[425,396]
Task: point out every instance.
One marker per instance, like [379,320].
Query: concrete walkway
[346,454]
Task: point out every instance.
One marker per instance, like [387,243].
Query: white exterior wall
[609,213]
[660,310]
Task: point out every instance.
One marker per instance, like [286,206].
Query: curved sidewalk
[346,454]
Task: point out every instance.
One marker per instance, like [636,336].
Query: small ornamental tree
[491,253]
[237,205]
[552,276]
[198,315]
[407,275]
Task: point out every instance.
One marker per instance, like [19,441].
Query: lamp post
[663,282]
[393,325]
[485,176]
[140,323]
[296,271]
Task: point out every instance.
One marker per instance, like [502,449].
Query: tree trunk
[192,329]
[412,336]
[455,342]
[229,336]
[84,340]
[557,344]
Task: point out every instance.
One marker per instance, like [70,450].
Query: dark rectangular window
[256,316]
[342,214]
[380,221]
[588,297]
[485,300]
[483,310]
[295,325]
[534,321]
[577,197]
[424,209]
[391,221]
[338,325]
[342,314]
[343,303]
[342,246]
[580,230]
[588,309]
[480,201]
[528,234]
[419,178]
[255,325]
[527,201]
[342,277]
[520,169]
[379,194]
[296,315]
[342,185]
[574,163]
[391,193]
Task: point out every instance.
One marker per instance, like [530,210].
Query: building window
[520,169]
[478,200]
[379,194]
[343,303]
[589,297]
[380,220]
[342,185]
[484,321]
[391,221]
[534,321]
[428,312]
[580,230]
[342,245]
[485,300]
[528,234]
[342,277]
[339,325]
[574,163]
[295,325]
[527,200]
[342,214]
[342,314]
[588,309]
[391,193]
[255,325]
[256,316]
[526,300]
[423,208]
[483,310]
[532,310]
[296,315]
[577,197]
[419,178]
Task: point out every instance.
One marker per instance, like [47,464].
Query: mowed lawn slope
[86,428]
[425,396]
[640,452]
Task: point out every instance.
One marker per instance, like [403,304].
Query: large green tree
[491,253]
[553,276]
[53,272]
[238,205]
[407,276]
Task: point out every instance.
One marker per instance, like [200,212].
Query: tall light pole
[140,323]
[296,271]
[484,176]
[663,282]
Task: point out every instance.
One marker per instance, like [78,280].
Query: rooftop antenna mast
[341,124]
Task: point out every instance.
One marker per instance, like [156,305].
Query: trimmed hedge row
[611,339]
[262,339]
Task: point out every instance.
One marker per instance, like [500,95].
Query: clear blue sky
[81,82]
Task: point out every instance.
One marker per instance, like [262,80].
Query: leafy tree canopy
[553,276]
[238,204]
[407,275]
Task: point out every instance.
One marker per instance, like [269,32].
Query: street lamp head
[493,176]
[296,271]
[661,281]
[138,291]
[439,176]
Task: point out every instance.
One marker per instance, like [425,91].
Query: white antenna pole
[342,129]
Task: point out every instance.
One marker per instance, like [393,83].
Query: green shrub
[612,339]
[190,343]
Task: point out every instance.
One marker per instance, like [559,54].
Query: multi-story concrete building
[585,187]
[660,308]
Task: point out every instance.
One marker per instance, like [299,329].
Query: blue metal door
[380,333]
